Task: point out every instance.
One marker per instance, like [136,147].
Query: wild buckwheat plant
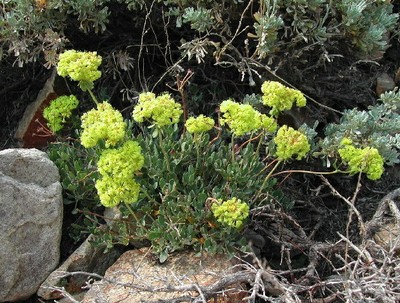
[361,160]
[102,124]
[232,212]
[80,66]
[193,184]
[58,112]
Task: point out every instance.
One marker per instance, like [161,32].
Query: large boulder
[31,211]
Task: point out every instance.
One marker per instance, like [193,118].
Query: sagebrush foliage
[265,27]
[377,127]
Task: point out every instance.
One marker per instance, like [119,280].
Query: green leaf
[163,256]
[154,235]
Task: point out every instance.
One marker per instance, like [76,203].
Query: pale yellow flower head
[80,66]
[104,123]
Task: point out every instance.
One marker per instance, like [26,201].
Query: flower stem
[267,178]
[132,212]
[309,172]
[166,158]
[196,139]
[93,97]
[233,147]
[260,136]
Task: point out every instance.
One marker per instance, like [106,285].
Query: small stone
[384,83]
[397,77]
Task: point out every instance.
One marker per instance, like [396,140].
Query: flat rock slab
[137,277]
[30,221]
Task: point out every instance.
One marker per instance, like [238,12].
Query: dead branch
[350,203]
[386,212]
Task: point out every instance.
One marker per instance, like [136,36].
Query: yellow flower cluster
[290,142]
[366,160]
[121,162]
[200,124]
[80,66]
[231,212]
[243,118]
[160,110]
[280,98]
[59,110]
[117,168]
[104,123]
[268,123]
[114,191]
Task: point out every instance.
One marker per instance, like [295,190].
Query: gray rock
[31,221]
